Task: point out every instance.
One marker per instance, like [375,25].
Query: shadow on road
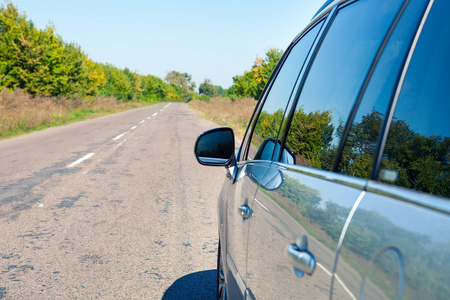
[198,285]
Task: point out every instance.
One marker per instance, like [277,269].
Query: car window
[360,147]
[335,80]
[417,150]
[268,124]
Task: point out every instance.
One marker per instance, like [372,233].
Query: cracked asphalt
[115,207]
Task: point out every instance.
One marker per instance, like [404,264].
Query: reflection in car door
[301,205]
[300,219]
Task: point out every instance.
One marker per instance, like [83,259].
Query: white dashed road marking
[114,139]
[81,160]
[118,137]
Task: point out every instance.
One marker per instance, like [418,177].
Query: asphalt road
[115,207]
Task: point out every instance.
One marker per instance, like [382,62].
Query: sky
[213,40]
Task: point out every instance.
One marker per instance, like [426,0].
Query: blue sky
[207,39]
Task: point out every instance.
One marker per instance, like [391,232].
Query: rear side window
[417,150]
[362,141]
[335,80]
[269,120]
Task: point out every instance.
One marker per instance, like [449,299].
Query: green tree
[252,83]
[40,62]
[180,87]
[208,89]
[118,83]
[154,87]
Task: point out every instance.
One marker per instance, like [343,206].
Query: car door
[301,206]
[250,169]
[397,242]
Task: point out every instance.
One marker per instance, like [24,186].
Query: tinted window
[272,113]
[417,150]
[361,144]
[335,80]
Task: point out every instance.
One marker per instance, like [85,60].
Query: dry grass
[21,113]
[225,112]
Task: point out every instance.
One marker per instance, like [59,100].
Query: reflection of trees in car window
[267,126]
[310,137]
[417,151]
[420,162]
[359,151]
[415,161]
[335,79]
[280,93]
[357,156]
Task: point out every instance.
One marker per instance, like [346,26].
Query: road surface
[114,207]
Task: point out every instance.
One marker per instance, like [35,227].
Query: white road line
[161,109]
[262,205]
[325,269]
[118,137]
[338,279]
[154,114]
[120,144]
[80,160]
[345,288]
[148,118]
[142,122]
[167,105]
[134,127]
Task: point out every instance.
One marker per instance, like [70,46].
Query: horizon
[154,38]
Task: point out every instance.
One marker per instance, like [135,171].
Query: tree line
[249,84]
[41,63]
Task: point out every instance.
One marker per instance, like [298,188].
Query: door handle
[246,212]
[303,260]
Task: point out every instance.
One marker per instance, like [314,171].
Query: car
[340,187]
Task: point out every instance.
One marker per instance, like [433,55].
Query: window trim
[362,91]
[384,131]
[287,120]
[262,99]
[250,129]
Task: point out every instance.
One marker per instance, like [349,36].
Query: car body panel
[301,205]
[396,248]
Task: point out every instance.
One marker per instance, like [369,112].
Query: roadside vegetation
[21,112]
[45,81]
[233,107]
[226,112]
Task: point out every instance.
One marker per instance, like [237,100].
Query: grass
[225,112]
[22,113]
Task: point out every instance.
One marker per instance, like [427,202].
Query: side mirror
[267,148]
[215,147]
